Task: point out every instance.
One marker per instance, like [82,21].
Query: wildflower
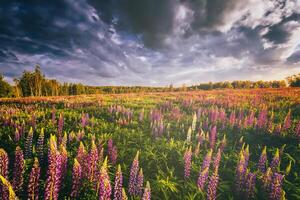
[92,162]
[212,186]
[276,161]
[267,178]
[217,160]
[187,162]
[7,191]
[287,121]
[139,183]
[147,192]
[250,185]
[276,191]
[104,183]
[202,178]
[19,167]
[28,144]
[118,193]
[40,145]
[212,137]
[34,178]
[241,171]
[124,195]
[3,173]
[76,178]
[133,174]
[262,160]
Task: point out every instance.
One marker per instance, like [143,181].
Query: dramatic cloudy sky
[150,42]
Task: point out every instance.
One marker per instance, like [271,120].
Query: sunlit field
[219,144]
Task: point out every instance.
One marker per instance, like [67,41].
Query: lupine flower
[28,144]
[112,151]
[124,195]
[223,143]
[287,121]
[147,192]
[54,171]
[217,160]
[19,167]
[240,172]
[197,149]
[118,193]
[139,183]
[276,191]
[64,140]
[212,186]
[64,161]
[213,137]
[232,118]
[81,158]
[60,127]
[33,184]
[76,178]
[276,161]
[17,135]
[267,178]
[92,162]
[7,192]
[53,116]
[246,155]
[194,122]
[297,131]
[202,178]
[104,183]
[189,135]
[4,193]
[263,160]
[262,119]
[40,145]
[207,160]
[133,174]
[250,185]
[187,162]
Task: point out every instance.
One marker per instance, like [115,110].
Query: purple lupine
[92,163]
[232,118]
[207,160]
[267,178]
[276,191]
[275,161]
[33,184]
[64,162]
[187,162]
[19,169]
[28,144]
[213,137]
[240,172]
[81,158]
[223,143]
[17,135]
[263,161]
[287,121]
[76,179]
[3,172]
[262,119]
[133,174]
[112,151]
[54,171]
[217,160]
[40,146]
[202,178]
[60,126]
[139,183]
[212,186]
[250,185]
[104,183]
[147,192]
[118,184]
[197,149]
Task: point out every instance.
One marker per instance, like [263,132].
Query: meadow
[218,144]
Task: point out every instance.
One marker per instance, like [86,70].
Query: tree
[5,88]
[294,80]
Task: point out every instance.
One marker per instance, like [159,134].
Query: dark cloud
[148,42]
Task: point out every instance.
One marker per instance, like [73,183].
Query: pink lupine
[207,160]
[187,162]
[147,192]
[64,162]
[17,135]
[76,179]
[33,184]
[241,172]
[232,118]
[262,119]
[3,172]
[133,174]
[263,160]
[54,171]
[92,162]
[60,126]
[287,121]
[223,143]
[276,191]
[28,144]
[217,160]
[267,178]
[213,137]
[81,158]
[104,183]
[139,183]
[19,169]
[40,145]
[202,178]
[112,151]
[212,186]
[118,184]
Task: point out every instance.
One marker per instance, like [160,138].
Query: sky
[150,42]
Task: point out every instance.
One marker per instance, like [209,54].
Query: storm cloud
[150,42]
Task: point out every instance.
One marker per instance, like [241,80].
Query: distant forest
[34,83]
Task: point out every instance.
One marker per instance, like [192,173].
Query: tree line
[34,83]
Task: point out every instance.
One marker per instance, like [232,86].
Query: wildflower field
[219,144]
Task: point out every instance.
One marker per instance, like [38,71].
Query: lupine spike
[19,169]
[276,191]
[217,160]
[33,185]
[147,192]
[202,178]
[40,145]
[76,179]
[213,137]
[250,185]
[104,183]
[187,162]
[140,183]
[9,193]
[133,174]
[118,193]
[276,161]
[263,160]
[267,178]
[28,144]
[3,172]
[124,195]
[92,162]
[212,186]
